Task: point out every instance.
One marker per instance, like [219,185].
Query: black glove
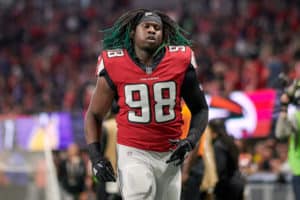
[101,168]
[180,152]
[103,171]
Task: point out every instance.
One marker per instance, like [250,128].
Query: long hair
[218,126]
[118,36]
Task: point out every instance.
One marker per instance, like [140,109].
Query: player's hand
[180,152]
[103,171]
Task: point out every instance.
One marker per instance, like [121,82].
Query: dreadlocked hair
[118,36]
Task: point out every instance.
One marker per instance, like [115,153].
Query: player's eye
[157,27]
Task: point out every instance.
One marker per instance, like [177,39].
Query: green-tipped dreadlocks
[118,36]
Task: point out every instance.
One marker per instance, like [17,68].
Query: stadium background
[48,55]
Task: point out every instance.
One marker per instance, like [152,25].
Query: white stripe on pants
[144,175]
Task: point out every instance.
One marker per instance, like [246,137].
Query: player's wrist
[192,138]
[190,143]
[94,152]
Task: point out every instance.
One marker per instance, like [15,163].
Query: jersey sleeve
[100,65]
[101,71]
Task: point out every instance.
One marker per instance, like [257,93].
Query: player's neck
[144,57]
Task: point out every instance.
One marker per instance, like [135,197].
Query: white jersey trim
[193,60]
[100,66]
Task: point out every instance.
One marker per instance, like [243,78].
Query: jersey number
[137,97]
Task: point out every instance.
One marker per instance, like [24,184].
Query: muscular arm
[195,100]
[99,106]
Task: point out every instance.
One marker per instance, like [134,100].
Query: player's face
[148,35]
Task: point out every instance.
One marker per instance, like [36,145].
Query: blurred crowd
[49,50]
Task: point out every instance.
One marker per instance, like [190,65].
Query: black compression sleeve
[195,100]
[94,150]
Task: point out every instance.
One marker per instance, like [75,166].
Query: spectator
[72,173]
[216,168]
[288,126]
[230,184]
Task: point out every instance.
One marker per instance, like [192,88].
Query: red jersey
[150,110]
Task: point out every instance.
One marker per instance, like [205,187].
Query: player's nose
[151,29]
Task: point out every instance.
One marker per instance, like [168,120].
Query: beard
[151,48]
